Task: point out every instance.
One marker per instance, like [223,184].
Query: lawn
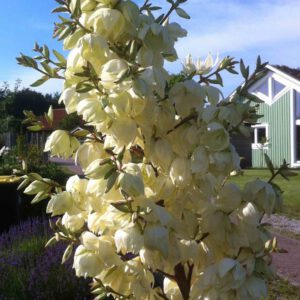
[280,289]
[291,188]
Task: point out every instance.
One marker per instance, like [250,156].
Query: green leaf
[46,51]
[121,154]
[155,8]
[282,174]
[121,206]
[244,70]
[40,81]
[122,76]
[288,173]
[83,87]
[269,163]
[35,176]
[81,133]
[104,102]
[62,2]
[102,296]
[111,181]
[276,187]
[159,18]
[47,68]
[23,184]
[182,13]
[50,115]
[219,79]
[39,197]
[258,62]
[67,253]
[59,9]
[51,242]
[109,173]
[77,9]
[65,32]
[35,128]
[232,71]
[27,61]
[60,57]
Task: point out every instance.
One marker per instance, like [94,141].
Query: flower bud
[199,160]
[98,168]
[61,144]
[94,48]
[86,263]
[186,96]
[36,187]
[87,153]
[216,138]
[59,204]
[112,71]
[180,172]
[74,223]
[107,22]
[129,240]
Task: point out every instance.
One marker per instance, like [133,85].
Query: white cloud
[230,26]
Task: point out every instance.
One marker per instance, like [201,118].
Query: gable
[270,88]
[274,85]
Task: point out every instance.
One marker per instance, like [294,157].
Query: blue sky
[240,28]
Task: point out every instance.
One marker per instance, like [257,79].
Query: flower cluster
[155,197]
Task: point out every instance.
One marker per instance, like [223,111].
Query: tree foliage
[14,102]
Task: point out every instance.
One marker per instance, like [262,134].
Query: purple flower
[28,270]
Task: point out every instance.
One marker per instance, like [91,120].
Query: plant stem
[173,7]
[185,120]
[183,280]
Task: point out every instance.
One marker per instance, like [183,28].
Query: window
[263,88]
[298,142]
[260,136]
[278,87]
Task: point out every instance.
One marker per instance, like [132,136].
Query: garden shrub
[155,200]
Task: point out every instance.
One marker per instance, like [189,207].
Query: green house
[278,132]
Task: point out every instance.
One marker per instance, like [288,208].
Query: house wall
[277,116]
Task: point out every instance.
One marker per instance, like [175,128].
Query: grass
[291,188]
[281,289]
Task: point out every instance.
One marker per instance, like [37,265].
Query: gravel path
[282,224]
[69,163]
[287,264]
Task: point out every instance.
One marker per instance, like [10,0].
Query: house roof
[295,73]
[290,75]
[58,115]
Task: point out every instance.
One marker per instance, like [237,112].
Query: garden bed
[30,271]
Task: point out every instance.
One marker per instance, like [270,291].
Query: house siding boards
[278,118]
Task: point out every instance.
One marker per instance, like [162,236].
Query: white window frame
[297,123]
[269,80]
[256,144]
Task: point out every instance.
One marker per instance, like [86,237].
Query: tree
[13,103]
[70,122]
[155,201]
